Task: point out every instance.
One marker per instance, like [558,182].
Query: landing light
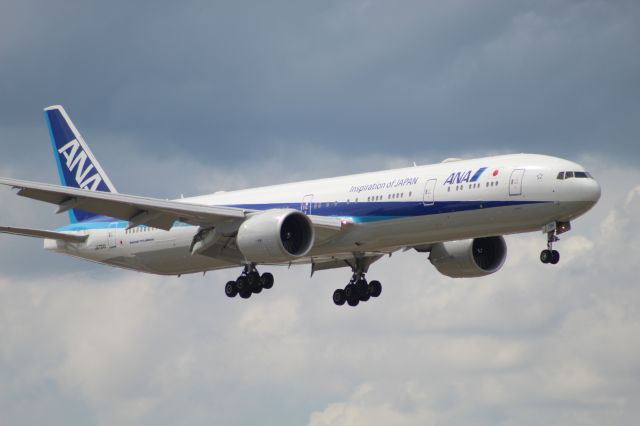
[563,227]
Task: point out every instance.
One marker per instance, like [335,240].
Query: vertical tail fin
[77,165]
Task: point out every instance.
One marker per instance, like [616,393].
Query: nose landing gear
[552,230]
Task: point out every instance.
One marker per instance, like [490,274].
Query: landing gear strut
[248,283]
[358,289]
[552,230]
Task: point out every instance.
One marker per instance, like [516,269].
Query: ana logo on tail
[78,159]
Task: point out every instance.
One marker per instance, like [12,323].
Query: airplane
[457,211]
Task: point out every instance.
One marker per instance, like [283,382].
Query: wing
[147,211]
[138,210]
[39,233]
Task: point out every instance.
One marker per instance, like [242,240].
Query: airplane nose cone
[592,191]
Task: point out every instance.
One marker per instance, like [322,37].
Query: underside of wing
[39,233]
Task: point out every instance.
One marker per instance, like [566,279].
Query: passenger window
[561,176]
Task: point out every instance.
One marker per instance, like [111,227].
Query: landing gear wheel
[363,290]
[375,288]
[339,298]
[255,284]
[230,289]
[546,256]
[253,278]
[358,289]
[249,282]
[351,292]
[353,300]
[242,284]
[267,280]
[550,255]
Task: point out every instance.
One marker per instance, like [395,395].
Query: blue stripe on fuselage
[359,212]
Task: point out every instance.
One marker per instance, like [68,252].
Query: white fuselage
[386,210]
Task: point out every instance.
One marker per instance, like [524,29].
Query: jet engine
[275,235]
[469,258]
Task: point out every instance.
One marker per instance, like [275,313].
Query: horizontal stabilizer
[39,233]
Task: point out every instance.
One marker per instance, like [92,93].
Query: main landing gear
[552,230]
[358,290]
[248,283]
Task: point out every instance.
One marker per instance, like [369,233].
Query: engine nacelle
[275,235]
[469,258]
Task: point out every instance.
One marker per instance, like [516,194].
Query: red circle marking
[495,173]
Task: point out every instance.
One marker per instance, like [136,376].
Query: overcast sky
[195,96]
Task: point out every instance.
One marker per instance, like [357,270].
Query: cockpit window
[569,175]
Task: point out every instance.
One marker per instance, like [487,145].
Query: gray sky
[192,97]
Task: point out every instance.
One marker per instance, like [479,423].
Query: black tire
[245,294]
[230,289]
[339,297]
[375,288]
[363,290]
[255,284]
[353,300]
[242,284]
[267,280]
[351,291]
[545,256]
[555,257]
[253,278]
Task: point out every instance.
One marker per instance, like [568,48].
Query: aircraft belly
[178,260]
[406,232]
